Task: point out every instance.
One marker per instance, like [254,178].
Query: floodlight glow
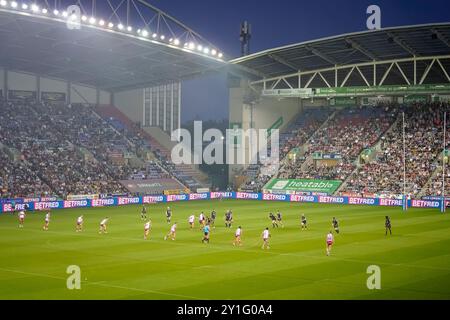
[55,12]
[73,17]
[120,26]
[213,52]
[129,28]
[191,45]
[34,8]
[220,55]
[145,33]
[24,6]
[176,42]
[44,11]
[101,22]
[206,51]
[199,47]
[162,37]
[14,4]
[84,18]
[154,35]
[65,14]
[3,3]
[92,20]
[111,25]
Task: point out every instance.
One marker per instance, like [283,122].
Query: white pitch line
[102,284]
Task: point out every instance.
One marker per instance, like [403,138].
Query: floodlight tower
[246,35]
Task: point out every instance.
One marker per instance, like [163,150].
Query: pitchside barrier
[40,205]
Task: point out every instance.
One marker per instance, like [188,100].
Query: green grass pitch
[414,262]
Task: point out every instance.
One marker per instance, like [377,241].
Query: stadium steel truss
[416,57]
[111,45]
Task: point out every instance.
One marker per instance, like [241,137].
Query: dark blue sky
[277,23]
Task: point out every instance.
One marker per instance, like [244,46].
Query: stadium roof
[137,46]
[353,48]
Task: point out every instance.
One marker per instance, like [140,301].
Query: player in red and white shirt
[330,241]
[265,237]
[172,233]
[47,221]
[237,237]
[103,225]
[80,221]
[192,221]
[21,218]
[147,228]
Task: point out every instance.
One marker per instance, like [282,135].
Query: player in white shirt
[79,226]
[47,221]
[202,220]
[21,218]
[192,221]
[237,237]
[172,232]
[265,237]
[330,241]
[103,225]
[147,228]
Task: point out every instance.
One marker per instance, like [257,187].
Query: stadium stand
[346,135]
[424,135]
[295,135]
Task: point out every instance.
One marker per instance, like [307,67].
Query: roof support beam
[358,47]
[443,69]
[310,80]
[347,76]
[403,74]
[324,80]
[362,76]
[283,61]
[402,44]
[386,73]
[427,70]
[441,37]
[320,54]
[363,64]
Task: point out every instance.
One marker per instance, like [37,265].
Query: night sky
[277,23]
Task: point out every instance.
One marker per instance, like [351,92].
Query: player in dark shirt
[280,219]
[387,224]
[144,213]
[304,226]
[213,218]
[168,214]
[335,225]
[228,219]
[274,220]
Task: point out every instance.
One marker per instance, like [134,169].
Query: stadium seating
[424,137]
[295,135]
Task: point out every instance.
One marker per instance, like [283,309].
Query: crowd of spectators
[66,150]
[345,136]
[423,143]
[296,135]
